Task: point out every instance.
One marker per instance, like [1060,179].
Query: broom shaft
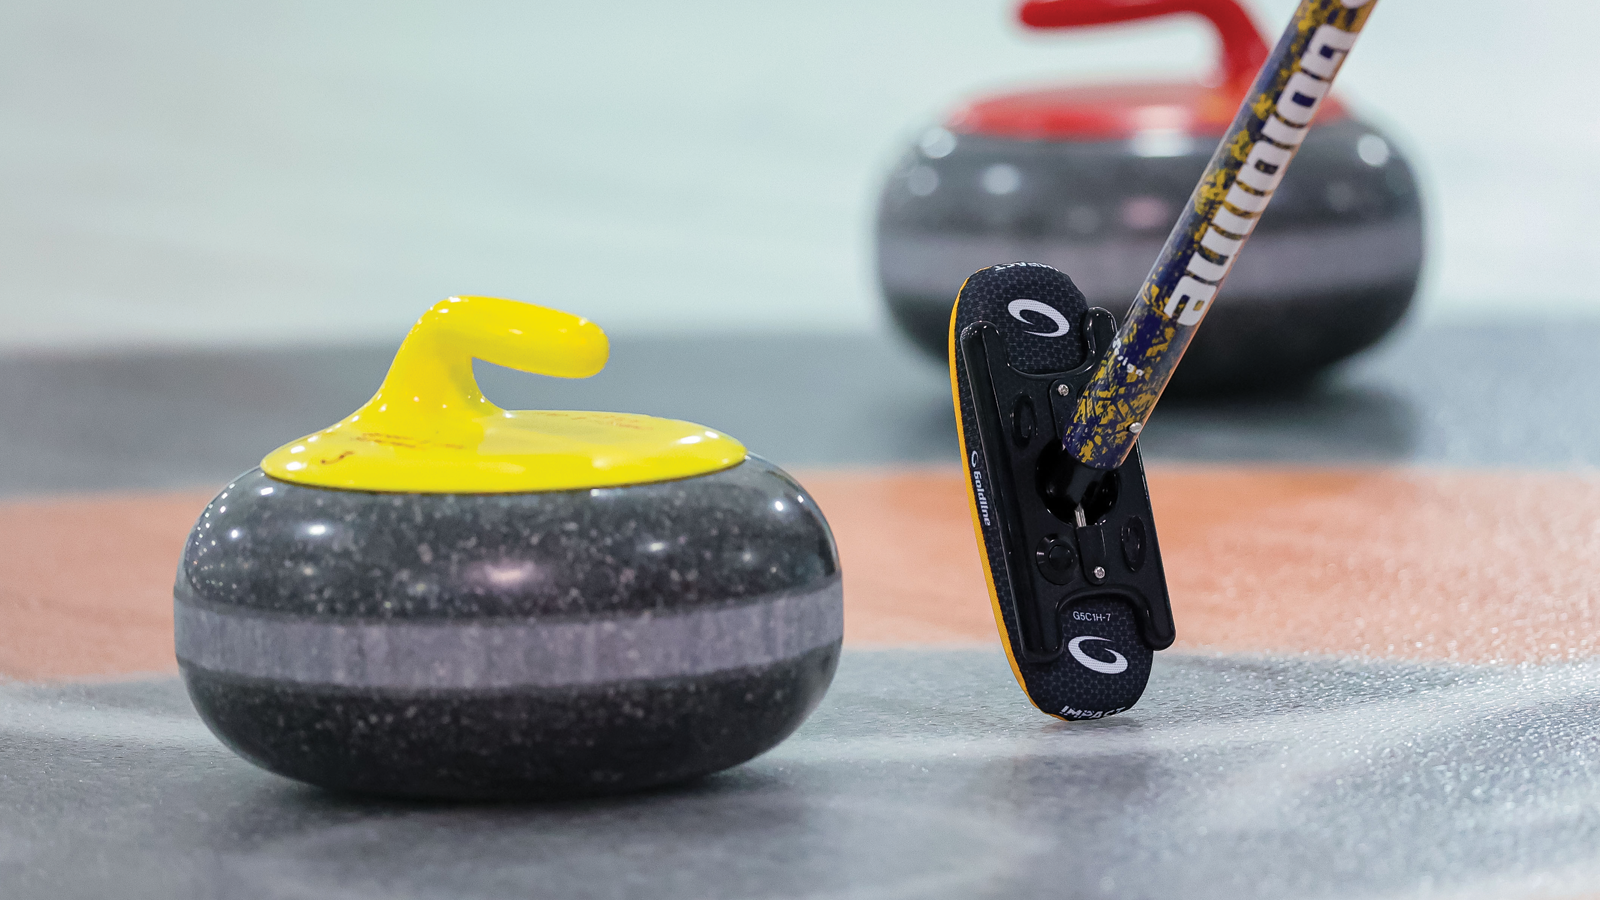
[1224,208]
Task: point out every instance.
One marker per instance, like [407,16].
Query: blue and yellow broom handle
[1236,187]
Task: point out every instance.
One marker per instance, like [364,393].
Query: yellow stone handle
[430,388]
[430,429]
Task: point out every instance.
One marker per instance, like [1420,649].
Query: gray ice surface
[1518,396]
[924,774]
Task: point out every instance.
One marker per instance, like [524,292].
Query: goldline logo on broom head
[1020,307]
[1114,666]
[977,488]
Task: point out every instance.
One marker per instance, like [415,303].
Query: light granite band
[489,654]
[1311,259]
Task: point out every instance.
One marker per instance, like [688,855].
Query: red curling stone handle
[1243,49]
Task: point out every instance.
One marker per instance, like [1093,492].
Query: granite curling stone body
[438,597]
[1089,177]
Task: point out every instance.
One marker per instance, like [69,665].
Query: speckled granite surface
[506,645]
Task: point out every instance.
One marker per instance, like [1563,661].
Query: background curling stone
[437,597]
[1089,178]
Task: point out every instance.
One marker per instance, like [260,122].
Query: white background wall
[178,171]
